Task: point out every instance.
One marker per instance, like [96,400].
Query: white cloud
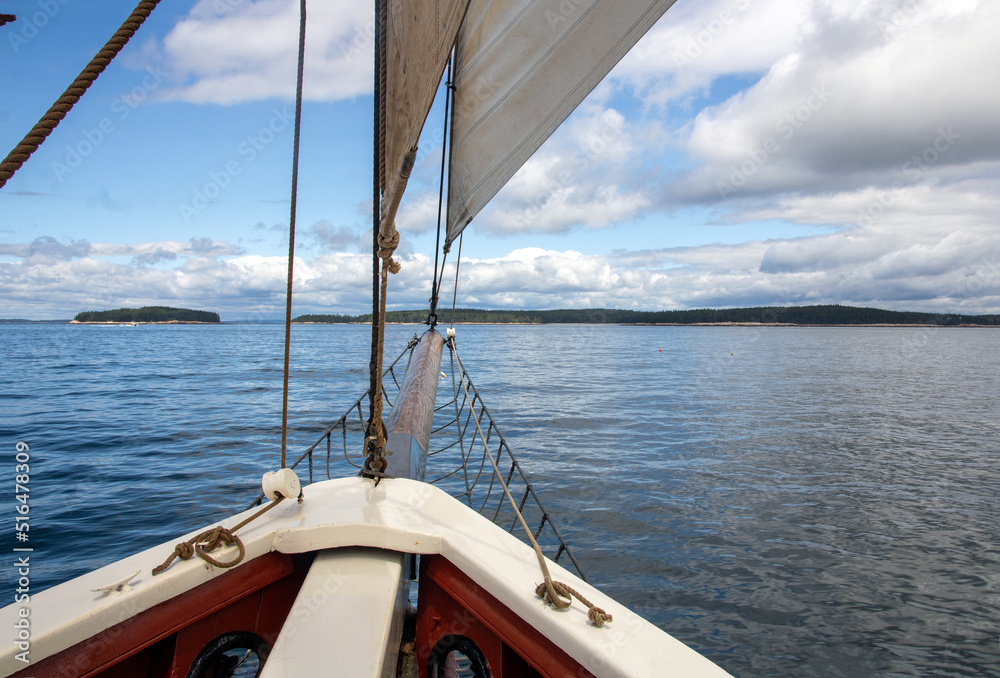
[871,120]
[249,52]
[869,100]
[581,177]
[695,43]
[47,250]
[951,271]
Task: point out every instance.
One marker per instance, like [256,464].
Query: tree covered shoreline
[147,314]
[762,315]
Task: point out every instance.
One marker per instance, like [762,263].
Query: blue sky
[745,153]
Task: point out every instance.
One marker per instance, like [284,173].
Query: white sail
[521,67]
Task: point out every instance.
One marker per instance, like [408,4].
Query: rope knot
[561,596]
[213,538]
[555,594]
[388,245]
[597,616]
[202,545]
[218,536]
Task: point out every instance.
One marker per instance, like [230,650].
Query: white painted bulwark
[399,515]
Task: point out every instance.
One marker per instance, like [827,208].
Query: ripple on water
[807,502]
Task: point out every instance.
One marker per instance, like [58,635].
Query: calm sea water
[788,501]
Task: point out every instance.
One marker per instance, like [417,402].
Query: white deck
[399,515]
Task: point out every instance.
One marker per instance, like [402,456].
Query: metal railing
[351,428]
[457,461]
[471,479]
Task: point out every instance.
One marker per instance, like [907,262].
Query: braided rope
[62,106]
[377,436]
[556,594]
[291,229]
[214,538]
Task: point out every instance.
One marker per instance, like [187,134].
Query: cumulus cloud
[873,121]
[696,43]
[871,98]
[228,53]
[46,250]
[150,258]
[582,177]
[329,238]
[947,271]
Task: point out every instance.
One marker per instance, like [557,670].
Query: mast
[411,51]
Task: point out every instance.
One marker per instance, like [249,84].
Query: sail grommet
[283,483]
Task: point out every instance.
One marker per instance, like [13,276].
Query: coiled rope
[212,539]
[62,106]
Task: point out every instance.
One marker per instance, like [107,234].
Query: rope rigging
[385,240]
[554,593]
[43,128]
[375,433]
[432,318]
[284,484]
[291,225]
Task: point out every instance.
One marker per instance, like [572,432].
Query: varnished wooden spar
[412,415]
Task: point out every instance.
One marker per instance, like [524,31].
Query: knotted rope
[202,545]
[211,539]
[387,247]
[559,595]
[554,593]
[62,106]
[376,437]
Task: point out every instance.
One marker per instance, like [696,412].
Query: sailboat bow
[323,585]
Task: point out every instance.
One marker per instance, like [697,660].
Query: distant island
[147,314]
[833,314]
